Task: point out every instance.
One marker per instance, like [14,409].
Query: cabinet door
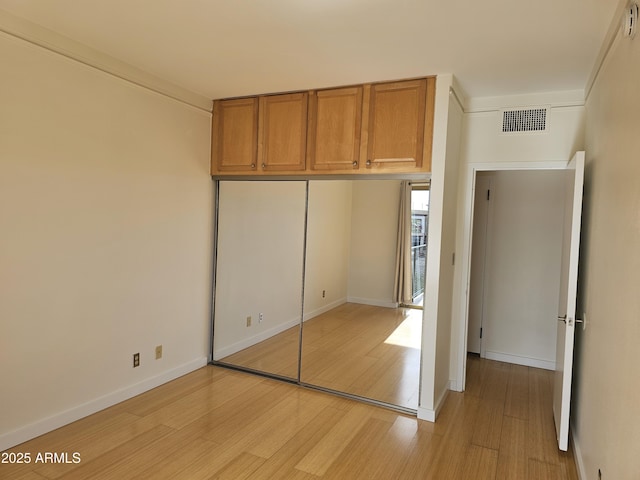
[282,132]
[335,121]
[234,135]
[396,128]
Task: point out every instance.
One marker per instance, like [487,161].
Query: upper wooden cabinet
[335,121]
[373,128]
[282,132]
[234,135]
[397,115]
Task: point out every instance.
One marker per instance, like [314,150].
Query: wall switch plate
[158,352]
[136,360]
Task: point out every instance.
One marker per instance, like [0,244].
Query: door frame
[486,260]
[462,302]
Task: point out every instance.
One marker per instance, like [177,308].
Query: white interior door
[478,263]
[567,299]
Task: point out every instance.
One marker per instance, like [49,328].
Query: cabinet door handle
[368,163]
[253,165]
[355,164]
[264,166]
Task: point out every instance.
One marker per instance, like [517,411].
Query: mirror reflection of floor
[364,350]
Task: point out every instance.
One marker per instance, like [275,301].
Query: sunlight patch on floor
[408,333]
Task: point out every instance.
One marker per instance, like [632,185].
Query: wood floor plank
[323,455]
[283,462]
[98,443]
[513,456]
[27,476]
[456,440]
[421,458]
[494,381]
[487,428]
[170,392]
[105,466]
[279,425]
[378,451]
[516,402]
[225,393]
[241,468]
[230,424]
[479,463]
[545,471]
[109,431]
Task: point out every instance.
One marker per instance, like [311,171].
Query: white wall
[522,279]
[260,258]
[605,417]
[436,322]
[482,141]
[484,147]
[328,242]
[105,214]
[374,228]
[447,251]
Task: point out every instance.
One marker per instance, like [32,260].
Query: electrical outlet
[260,318]
[158,352]
[136,360]
[323,293]
[248,321]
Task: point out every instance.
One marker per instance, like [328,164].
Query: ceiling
[223,48]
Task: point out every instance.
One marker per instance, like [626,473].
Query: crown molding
[54,42]
[614,34]
[568,98]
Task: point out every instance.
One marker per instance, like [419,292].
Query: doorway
[512,280]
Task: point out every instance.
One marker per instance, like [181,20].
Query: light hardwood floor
[221,424]
[380,346]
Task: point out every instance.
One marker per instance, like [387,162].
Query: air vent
[530,120]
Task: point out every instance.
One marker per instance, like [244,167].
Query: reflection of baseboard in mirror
[259,265]
[365,350]
[250,341]
[276,355]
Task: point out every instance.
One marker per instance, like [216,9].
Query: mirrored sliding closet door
[356,338]
[258,277]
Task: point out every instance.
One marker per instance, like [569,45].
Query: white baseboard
[520,360]
[372,301]
[250,341]
[23,434]
[577,455]
[431,415]
[453,385]
[324,309]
